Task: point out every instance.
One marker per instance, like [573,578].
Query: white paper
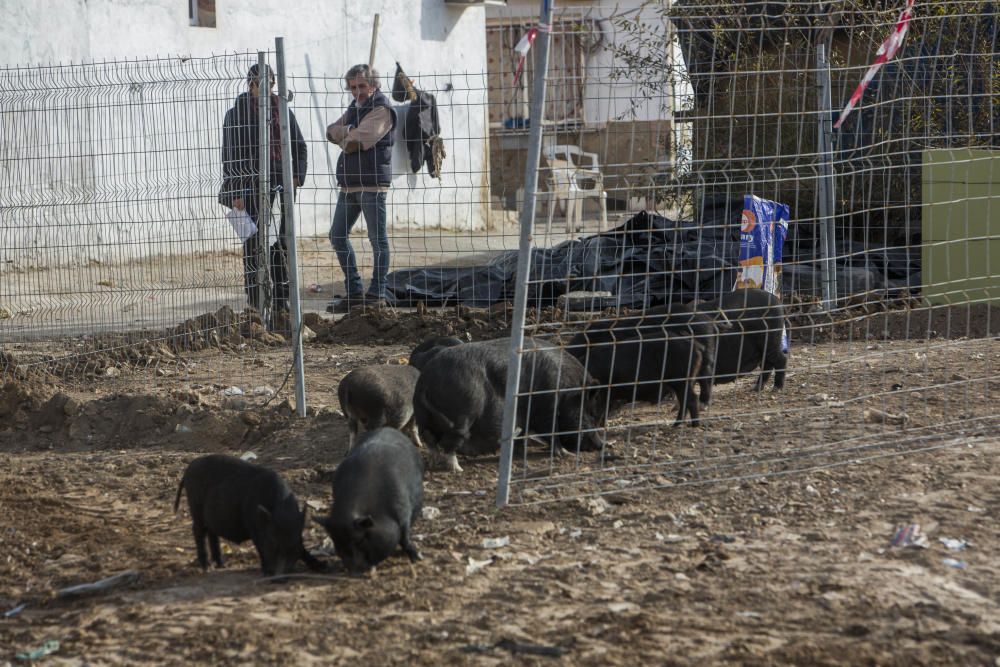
[242,224]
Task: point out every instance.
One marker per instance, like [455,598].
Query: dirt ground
[760,538]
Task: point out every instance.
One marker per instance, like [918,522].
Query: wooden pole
[371,53]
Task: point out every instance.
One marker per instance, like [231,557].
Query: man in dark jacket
[364,174]
[241,184]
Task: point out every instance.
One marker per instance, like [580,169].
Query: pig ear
[263,514]
[364,523]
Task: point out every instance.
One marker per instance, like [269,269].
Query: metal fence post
[524,250]
[825,183]
[288,220]
[260,245]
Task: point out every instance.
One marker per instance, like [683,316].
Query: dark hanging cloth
[422,127]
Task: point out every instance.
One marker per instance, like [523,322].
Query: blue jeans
[350,205]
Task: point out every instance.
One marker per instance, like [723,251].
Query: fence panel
[904,359]
[114,251]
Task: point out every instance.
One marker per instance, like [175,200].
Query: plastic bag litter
[11,613]
[953,543]
[908,536]
[495,542]
[476,565]
[45,649]
[120,579]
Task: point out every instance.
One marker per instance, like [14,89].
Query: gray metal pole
[524,250]
[825,184]
[288,216]
[264,183]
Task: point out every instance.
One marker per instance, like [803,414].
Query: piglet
[377,495]
[240,501]
[376,396]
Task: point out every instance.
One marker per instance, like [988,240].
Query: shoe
[375,302]
[344,304]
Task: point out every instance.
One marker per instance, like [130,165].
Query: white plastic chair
[572,176]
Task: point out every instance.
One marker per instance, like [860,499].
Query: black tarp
[648,260]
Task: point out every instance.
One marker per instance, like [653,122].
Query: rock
[250,418]
[233,403]
[184,410]
[532,527]
[875,416]
[594,506]
[71,407]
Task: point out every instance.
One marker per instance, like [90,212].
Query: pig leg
[411,429]
[687,402]
[451,462]
[199,542]
[777,360]
[213,543]
[779,375]
[765,375]
[266,566]
[453,441]
[692,403]
[407,545]
[311,561]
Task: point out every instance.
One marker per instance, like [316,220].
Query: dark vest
[372,167]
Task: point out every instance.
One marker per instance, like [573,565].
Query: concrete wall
[67,129]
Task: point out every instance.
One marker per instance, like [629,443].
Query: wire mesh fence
[897,355]
[116,254]
[659,119]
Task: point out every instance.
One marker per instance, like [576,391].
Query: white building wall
[437,44]
[605,100]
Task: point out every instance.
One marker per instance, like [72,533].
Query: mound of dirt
[905,320]
[896,320]
[386,327]
[37,417]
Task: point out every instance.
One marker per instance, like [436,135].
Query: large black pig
[652,325]
[458,402]
[239,501]
[377,495]
[423,352]
[757,320]
[641,359]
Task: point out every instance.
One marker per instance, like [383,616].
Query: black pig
[240,501]
[757,318]
[377,495]
[426,350]
[458,402]
[640,359]
[678,321]
[376,396]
